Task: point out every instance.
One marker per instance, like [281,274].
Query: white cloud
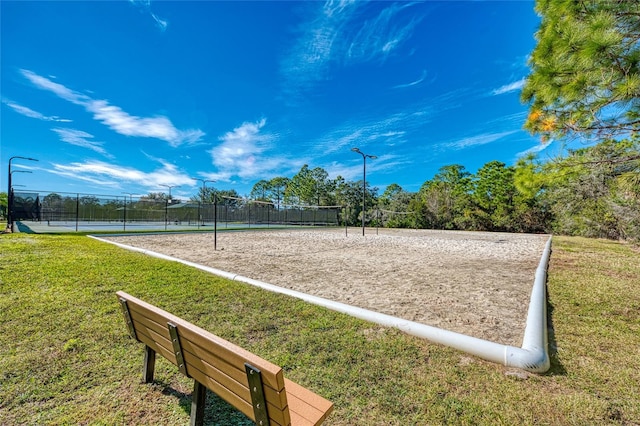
[413,83]
[28,112]
[476,140]
[352,170]
[114,176]
[511,87]
[337,35]
[162,24]
[535,149]
[116,119]
[242,153]
[389,131]
[378,37]
[150,127]
[145,5]
[81,139]
[58,89]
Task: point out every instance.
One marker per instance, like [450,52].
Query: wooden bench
[251,384]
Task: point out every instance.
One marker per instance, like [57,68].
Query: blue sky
[128,96]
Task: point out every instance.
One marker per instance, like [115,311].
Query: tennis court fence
[69,208]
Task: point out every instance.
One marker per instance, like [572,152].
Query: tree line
[592,191]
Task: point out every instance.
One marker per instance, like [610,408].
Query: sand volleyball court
[475,283]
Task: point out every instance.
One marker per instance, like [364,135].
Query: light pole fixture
[170,186]
[364,180]
[18,171]
[9,197]
[166,204]
[124,221]
[204,183]
[215,210]
[204,187]
[130,194]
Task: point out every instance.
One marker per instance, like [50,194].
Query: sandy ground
[475,283]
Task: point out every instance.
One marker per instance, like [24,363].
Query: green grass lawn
[67,358]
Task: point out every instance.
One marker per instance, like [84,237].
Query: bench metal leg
[149,364]
[197,404]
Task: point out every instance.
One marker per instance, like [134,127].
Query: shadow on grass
[217,412]
[556,368]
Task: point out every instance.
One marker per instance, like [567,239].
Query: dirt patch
[475,283]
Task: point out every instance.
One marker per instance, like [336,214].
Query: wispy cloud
[112,176]
[28,112]
[413,83]
[145,6]
[337,36]
[56,88]
[508,88]
[242,153]
[534,149]
[390,130]
[481,139]
[352,170]
[380,36]
[81,139]
[159,127]
[115,118]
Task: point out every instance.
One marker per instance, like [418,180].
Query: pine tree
[585,78]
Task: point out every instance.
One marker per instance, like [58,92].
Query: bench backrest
[210,360]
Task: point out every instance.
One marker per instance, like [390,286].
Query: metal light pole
[19,171]
[215,218]
[9,197]
[166,204]
[364,180]
[170,186]
[204,183]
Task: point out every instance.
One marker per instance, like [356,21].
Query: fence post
[346,221]
[215,222]
[77,210]
[166,213]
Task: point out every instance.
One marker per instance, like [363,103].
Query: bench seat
[223,367]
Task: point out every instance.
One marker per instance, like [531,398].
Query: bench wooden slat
[235,355]
[200,362]
[304,404]
[150,338]
[228,376]
[230,389]
[230,384]
[150,322]
[220,366]
[278,417]
[192,341]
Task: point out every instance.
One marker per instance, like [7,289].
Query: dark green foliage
[445,201]
[595,192]
[310,187]
[585,78]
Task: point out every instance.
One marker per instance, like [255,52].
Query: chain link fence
[87,210]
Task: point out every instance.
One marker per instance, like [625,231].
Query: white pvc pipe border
[532,356]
